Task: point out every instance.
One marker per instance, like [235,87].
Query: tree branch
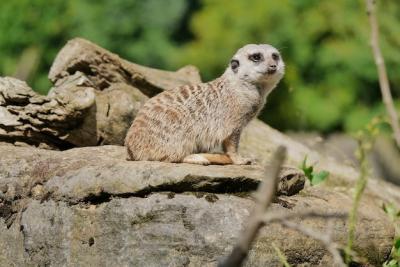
[383,78]
[264,197]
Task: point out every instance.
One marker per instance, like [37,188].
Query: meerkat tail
[207,159]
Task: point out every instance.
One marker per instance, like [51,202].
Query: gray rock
[104,68]
[91,207]
[185,230]
[83,173]
[260,140]
[384,157]
[95,97]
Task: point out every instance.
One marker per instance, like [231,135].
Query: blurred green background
[331,81]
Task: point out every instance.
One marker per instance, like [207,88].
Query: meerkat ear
[235,65]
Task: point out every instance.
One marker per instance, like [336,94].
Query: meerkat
[186,123]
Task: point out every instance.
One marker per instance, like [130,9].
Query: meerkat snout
[271,69]
[273,64]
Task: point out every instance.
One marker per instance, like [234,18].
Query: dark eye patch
[235,65]
[256,57]
[275,56]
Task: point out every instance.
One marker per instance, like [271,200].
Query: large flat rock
[86,173]
[91,207]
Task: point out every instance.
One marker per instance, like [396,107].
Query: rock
[259,141]
[11,245]
[104,68]
[108,120]
[95,97]
[84,174]
[89,206]
[30,118]
[116,107]
[383,158]
[387,156]
[183,230]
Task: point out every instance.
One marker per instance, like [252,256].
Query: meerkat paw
[196,159]
[239,160]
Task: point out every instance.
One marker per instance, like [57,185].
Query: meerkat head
[257,64]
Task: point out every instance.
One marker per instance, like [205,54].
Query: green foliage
[314,177]
[391,210]
[391,263]
[365,139]
[138,30]
[330,70]
[330,83]
[394,215]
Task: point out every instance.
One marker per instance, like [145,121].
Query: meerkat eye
[275,56]
[256,57]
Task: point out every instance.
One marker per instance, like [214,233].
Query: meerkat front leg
[231,145]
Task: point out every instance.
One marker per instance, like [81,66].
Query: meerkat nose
[271,69]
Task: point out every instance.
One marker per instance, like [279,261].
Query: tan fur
[207,159]
[196,118]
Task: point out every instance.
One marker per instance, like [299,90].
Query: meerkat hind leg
[207,159]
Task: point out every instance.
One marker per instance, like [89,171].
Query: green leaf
[304,163]
[308,170]
[397,244]
[391,210]
[319,177]
[314,178]
[396,252]
[392,263]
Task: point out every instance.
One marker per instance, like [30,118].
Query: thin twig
[258,218]
[264,197]
[325,239]
[362,180]
[383,78]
